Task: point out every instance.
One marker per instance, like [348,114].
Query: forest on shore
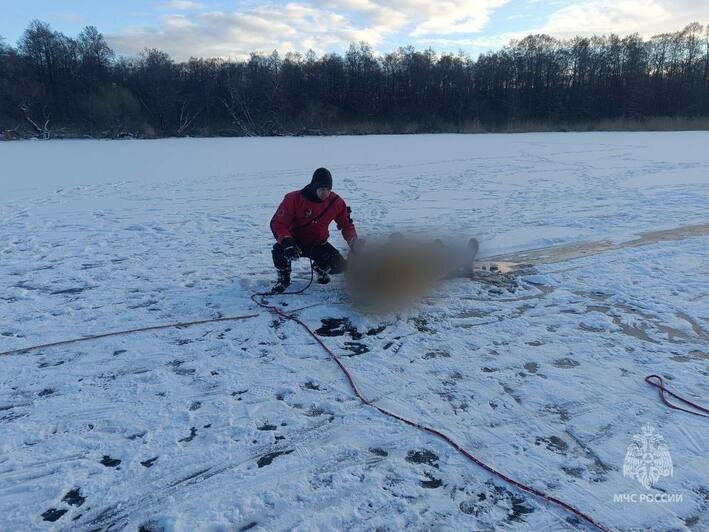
[56,86]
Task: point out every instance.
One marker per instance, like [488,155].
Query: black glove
[357,245]
[290,249]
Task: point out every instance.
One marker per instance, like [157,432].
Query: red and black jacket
[306,219]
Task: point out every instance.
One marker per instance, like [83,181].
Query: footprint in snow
[553,443]
[423,457]
[109,462]
[193,433]
[338,327]
[74,497]
[53,514]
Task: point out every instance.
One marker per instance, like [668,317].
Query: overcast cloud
[189,28]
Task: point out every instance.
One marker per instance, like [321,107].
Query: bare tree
[186,118]
[41,127]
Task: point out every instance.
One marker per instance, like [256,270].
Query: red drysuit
[307,221]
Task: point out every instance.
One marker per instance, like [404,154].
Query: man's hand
[357,245]
[290,249]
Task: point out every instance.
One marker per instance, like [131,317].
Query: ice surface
[249,424]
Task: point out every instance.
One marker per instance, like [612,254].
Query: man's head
[322,183]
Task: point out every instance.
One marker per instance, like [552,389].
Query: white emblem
[647,458]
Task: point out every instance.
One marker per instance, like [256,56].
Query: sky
[233,29]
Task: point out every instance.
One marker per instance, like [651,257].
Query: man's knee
[338,265]
[330,260]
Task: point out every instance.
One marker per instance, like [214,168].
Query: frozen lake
[249,424]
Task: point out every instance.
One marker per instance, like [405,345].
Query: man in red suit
[300,227]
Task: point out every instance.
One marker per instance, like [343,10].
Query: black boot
[323,277]
[282,283]
[473,247]
[471,253]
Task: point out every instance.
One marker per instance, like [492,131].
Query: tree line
[52,85]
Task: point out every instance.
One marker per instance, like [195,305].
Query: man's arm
[345,224]
[283,219]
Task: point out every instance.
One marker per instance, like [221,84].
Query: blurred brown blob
[393,274]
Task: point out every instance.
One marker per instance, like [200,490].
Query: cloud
[179,5]
[489,42]
[646,17]
[422,17]
[330,25]
[599,17]
[293,27]
[323,25]
[66,17]
[455,17]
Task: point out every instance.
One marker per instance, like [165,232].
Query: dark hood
[309,192]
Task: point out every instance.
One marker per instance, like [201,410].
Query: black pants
[325,258]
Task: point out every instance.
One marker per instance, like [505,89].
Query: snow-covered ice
[249,425]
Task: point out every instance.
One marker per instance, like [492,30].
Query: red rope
[364,400]
[122,333]
[663,390]
[424,428]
